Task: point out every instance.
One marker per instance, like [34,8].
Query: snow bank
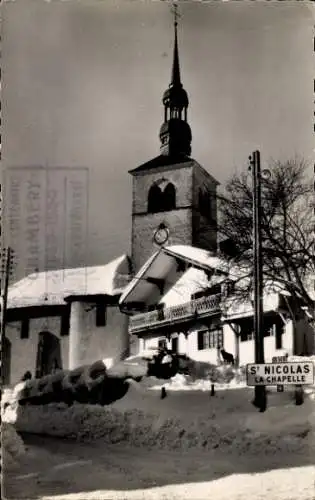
[12,446]
[187,418]
[224,377]
[302,358]
[202,423]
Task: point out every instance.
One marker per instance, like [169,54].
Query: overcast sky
[83,82]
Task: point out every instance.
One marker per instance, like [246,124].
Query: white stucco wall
[189,346]
[247,348]
[24,351]
[88,342]
[110,341]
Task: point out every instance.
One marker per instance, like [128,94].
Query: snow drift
[12,446]
[185,419]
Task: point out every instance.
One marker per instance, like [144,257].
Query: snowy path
[228,450]
[58,469]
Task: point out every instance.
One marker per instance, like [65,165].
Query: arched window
[169,197]
[159,199]
[154,199]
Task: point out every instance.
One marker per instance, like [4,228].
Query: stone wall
[204,234]
[180,226]
[179,221]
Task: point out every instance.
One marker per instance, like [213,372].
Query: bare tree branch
[287,227]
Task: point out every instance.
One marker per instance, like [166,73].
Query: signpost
[260,399]
[289,373]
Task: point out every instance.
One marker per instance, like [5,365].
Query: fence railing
[173,314]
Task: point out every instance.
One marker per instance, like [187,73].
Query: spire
[175,70]
[175,133]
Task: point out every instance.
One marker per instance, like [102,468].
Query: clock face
[161,235]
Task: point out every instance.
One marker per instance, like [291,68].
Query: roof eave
[96,297]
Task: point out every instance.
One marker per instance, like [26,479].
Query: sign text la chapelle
[300,373]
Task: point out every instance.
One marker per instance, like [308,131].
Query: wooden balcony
[199,308]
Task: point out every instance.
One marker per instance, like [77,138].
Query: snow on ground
[188,445]
[59,469]
[287,484]
[183,420]
[12,447]
[185,383]
[187,417]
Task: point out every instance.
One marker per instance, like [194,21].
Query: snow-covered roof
[203,259]
[235,310]
[162,271]
[52,287]
[192,281]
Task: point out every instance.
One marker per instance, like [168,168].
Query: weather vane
[174,10]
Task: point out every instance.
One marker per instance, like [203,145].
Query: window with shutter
[200,341]
[25,329]
[210,339]
[100,314]
[162,344]
[247,330]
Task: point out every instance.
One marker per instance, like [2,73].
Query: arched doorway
[48,357]
[6,361]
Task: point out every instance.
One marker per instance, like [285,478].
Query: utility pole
[260,399]
[6,269]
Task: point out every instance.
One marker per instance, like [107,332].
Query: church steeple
[175,133]
[175,70]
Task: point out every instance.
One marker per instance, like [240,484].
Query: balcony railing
[199,307]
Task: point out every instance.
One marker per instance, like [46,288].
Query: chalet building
[174,228]
[66,318]
[183,298]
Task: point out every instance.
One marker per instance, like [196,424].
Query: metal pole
[4,301]
[255,267]
[259,286]
[260,391]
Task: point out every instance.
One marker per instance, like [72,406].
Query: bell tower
[175,133]
[174,198]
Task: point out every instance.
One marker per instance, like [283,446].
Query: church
[172,192]
[182,294]
[170,291]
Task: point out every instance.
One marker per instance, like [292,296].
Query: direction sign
[301,373]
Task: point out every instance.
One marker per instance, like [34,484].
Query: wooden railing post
[203,305]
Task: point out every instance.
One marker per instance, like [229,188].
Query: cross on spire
[175,12]
[175,133]
[175,70]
